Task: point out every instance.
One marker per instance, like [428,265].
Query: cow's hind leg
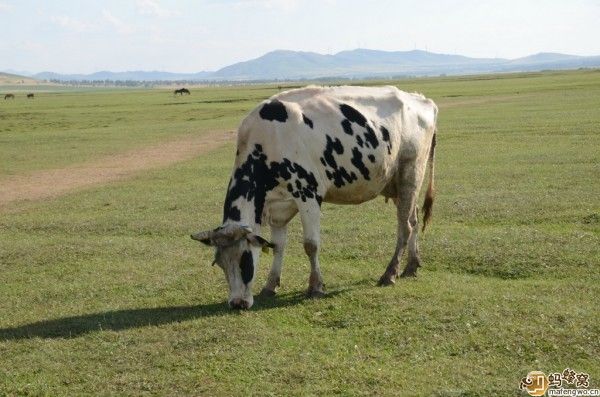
[404,207]
[410,177]
[310,214]
[414,261]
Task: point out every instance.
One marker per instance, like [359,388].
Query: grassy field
[61,128]
[103,292]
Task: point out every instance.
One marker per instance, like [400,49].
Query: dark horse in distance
[181,91]
[9,96]
[30,95]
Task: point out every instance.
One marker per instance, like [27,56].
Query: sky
[68,36]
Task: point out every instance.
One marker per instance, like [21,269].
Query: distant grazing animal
[30,96]
[182,91]
[303,147]
[9,96]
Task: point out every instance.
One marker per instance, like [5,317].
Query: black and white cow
[303,147]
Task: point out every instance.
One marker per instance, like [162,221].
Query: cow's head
[236,252]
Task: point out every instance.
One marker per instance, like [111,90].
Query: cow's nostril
[238,304]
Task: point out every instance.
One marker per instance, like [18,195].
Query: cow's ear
[204,237]
[223,235]
[258,241]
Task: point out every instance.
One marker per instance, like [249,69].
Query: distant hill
[359,63]
[19,72]
[123,76]
[14,79]
[550,61]
[544,57]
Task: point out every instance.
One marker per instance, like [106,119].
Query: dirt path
[55,182]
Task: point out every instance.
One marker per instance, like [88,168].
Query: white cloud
[285,5]
[117,23]
[72,23]
[152,8]
[5,7]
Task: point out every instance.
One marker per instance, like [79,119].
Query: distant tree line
[118,83]
[154,83]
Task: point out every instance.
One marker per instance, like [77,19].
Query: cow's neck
[252,179]
[241,211]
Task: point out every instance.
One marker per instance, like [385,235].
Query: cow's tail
[430,194]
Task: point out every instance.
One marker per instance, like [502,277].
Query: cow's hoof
[267,293]
[386,280]
[315,294]
[409,273]
[411,268]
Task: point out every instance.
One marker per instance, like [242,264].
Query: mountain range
[359,63]
[15,79]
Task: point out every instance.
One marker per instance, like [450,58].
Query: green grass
[67,127]
[103,292]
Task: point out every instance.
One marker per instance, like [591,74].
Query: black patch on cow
[358,163]
[353,115]
[274,110]
[251,180]
[347,126]
[334,173]
[359,140]
[371,138]
[307,121]
[229,210]
[341,176]
[254,178]
[306,180]
[385,135]
[372,158]
[332,146]
[247,267]
[234,214]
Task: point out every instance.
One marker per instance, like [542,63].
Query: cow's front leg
[279,239]
[310,215]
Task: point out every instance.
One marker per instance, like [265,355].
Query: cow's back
[350,138]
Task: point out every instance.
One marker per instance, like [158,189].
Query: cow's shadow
[117,320]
